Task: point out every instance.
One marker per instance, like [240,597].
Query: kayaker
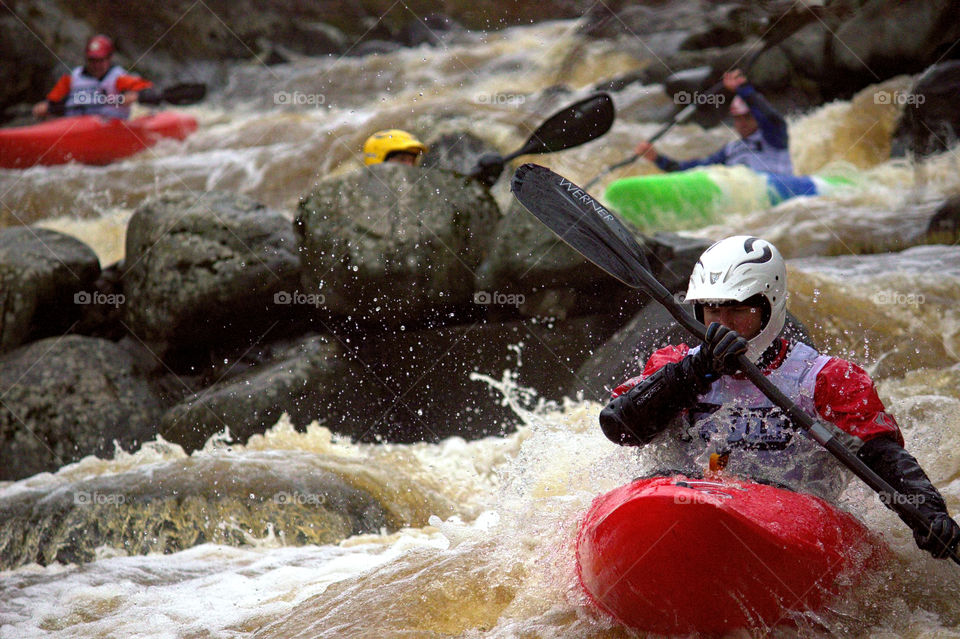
[763,143]
[393,145]
[97,88]
[698,413]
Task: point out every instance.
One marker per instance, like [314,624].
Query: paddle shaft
[615,238]
[680,117]
[186,93]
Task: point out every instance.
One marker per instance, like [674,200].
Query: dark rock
[307,381]
[216,267]
[429,29]
[887,38]
[930,122]
[395,245]
[457,152]
[529,259]
[301,497]
[103,315]
[427,374]
[672,257]
[46,278]
[944,226]
[68,397]
[373,47]
[717,35]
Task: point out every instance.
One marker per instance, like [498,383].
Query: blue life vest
[755,152]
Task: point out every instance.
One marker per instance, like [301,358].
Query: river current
[491,554]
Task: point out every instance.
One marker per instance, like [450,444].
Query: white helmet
[736,269]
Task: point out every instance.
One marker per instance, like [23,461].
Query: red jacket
[843,394]
[61,89]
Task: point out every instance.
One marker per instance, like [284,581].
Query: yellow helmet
[382,143]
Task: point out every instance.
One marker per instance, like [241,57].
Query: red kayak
[673,555]
[88,139]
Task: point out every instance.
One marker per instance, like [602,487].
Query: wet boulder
[393,244]
[430,395]
[308,380]
[944,225]
[457,152]
[299,497]
[68,397]
[887,37]
[202,268]
[930,122]
[46,278]
[530,261]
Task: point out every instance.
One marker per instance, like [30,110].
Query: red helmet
[99,47]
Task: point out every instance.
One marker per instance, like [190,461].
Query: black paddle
[784,27]
[178,94]
[594,232]
[572,126]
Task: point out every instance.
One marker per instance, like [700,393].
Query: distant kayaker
[393,145]
[700,413]
[763,143]
[97,88]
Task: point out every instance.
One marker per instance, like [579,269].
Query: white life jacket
[755,152]
[735,418]
[89,96]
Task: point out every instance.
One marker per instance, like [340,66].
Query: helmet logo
[748,247]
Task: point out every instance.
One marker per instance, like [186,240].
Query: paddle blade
[580,221]
[572,126]
[187,93]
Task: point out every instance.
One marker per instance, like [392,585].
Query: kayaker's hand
[733,80]
[41,110]
[719,352]
[942,538]
[129,97]
[488,169]
[646,151]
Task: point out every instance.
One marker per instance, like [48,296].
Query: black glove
[718,354]
[941,539]
[902,471]
[635,418]
[488,169]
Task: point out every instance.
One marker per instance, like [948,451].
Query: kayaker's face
[742,318]
[98,67]
[745,124]
[404,157]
